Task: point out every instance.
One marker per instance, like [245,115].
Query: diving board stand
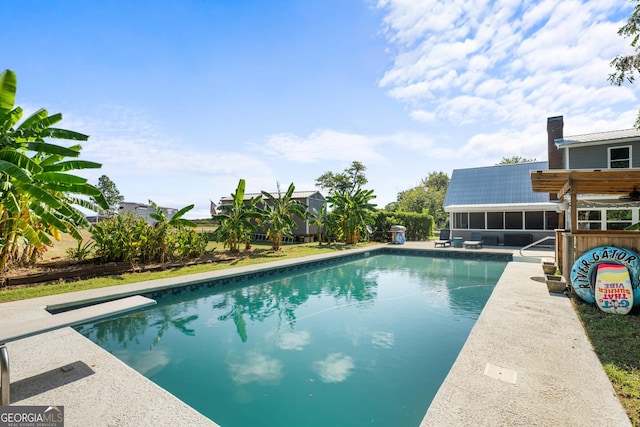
[57,321]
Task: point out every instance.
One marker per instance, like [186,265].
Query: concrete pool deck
[526,362]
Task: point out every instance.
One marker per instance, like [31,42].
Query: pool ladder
[4,376]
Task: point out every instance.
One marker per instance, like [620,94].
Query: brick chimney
[554,131]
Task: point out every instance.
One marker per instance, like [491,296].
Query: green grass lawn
[616,341]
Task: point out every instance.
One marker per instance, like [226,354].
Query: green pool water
[365,342]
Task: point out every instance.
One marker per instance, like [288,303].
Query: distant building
[304,231]
[143,210]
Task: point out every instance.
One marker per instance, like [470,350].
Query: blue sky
[181,99]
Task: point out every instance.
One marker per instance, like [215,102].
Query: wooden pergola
[570,183]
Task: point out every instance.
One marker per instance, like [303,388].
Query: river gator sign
[608,277]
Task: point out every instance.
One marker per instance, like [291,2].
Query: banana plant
[39,198]
[279,213]
[353,212]
[237,221]
[163,224]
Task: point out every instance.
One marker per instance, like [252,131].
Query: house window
[513,220]
[534,220]
[619,157]
[461,220]
[589,220]
[551,220]
[495,220]
[476,220]
[618,219]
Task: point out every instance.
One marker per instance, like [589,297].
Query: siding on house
[591,151]
[596,156]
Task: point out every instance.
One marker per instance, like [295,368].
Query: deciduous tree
[428,197]
[514,160]
[110,192]
[627,66]
[347,181]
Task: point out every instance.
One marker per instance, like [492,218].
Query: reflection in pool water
[359,343]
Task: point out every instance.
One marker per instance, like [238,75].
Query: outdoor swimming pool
[362,342]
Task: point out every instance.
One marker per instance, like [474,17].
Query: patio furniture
[444,239]
[474,242]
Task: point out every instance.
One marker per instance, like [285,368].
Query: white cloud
[473,62]
[423,116]
[324,144]
[382,339]
[335,368]
[294,340]
[256,367]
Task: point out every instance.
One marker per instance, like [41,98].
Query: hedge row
[419,226]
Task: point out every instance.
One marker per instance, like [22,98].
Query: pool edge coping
[144,287]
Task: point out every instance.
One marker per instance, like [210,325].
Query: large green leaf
[183,211]
[9,119]
[44,147]
[11,204]
[81,189]
[65,134]
[59,177]
[87,204]
[40,195]
[34,119]
[20,160]
[72,165]
[26,230]
[178,221]
[238,197]
[14,171]
[75,232]
[47,218]
[8,85]
[44,238]
[101,201]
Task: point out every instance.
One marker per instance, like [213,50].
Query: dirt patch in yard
[70,271]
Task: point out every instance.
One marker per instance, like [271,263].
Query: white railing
[537,242]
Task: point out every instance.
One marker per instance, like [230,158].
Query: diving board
[57,321]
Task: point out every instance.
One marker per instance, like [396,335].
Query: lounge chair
[474,242]
[444,239]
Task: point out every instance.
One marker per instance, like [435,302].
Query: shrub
[419,226]
[128,237]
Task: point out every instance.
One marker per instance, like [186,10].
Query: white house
[144,210]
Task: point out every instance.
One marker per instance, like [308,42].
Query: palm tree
[237,220]
[278,215]
[38,197]
[354,212]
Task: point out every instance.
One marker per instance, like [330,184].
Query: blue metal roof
[494,185]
